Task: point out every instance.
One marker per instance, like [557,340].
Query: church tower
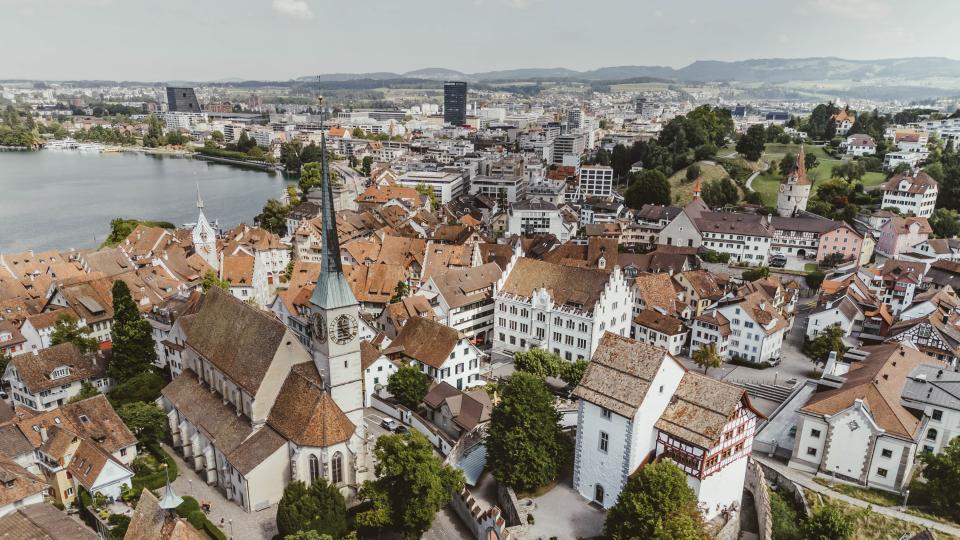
[204,237]
[794,189]
[334,318]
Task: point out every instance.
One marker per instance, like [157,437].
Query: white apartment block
[503,189]
[596,181]
[911,194]
[527,218]
[562,309]
[445,185]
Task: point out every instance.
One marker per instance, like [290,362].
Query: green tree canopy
[656,504]
[720,193]
[147,421]
[144,387]
[942,473]
[401,291]
[756,273]
[319,508]
[751,143]
[945,223]
[132,336]
[525,448]
[66,330]
[827,341]
[829,522]
[87,390]
[273,217]
[693,172]
[409,386]
[815,279]
[210,279]
[542,363]
[648,187]
[412,485]
[707,357]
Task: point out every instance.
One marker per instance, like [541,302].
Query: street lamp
[230,521]
[906,495]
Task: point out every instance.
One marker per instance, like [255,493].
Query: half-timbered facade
[638,404]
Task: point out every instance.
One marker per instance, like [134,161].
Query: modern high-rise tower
[455,103]
[182,100]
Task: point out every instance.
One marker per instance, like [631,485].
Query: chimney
[769,219]
[43,433]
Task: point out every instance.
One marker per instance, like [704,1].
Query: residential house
[463,299]
[757,328]
[638,405]
[247,278]
[930,391]
[900,234]
[438,350]
[47,522]
[859,145]
[50,377]
[395,315]
[377,369]
[457,412]
[701,289]
[913,193]
[660,330]
[20,488]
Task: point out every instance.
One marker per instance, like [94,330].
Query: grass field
[871,525]
[682,191]
[767,184]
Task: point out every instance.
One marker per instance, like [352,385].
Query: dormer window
[60,372]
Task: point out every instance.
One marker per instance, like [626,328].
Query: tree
[290,156]
[572,372]
[311,176]
[815,279]
[704,152]
[537,362]
[273,217]
[942,473]
[312,153]
[525,447]
[828,522]
[132,336]
[319,508]
[832,260]
[400,291]
[751,143]
[720,193]
[756,273]
[707,357]
[144,387]
[145,420]
[409,385]
[210,280]
[693,172]
[648,187]
[945,223]
[656,503]
[87,390]
[826,342]
[849,170]
[366,164]
[412,484]
[66,330]
[217,137]
[427,191]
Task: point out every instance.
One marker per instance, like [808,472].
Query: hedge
[157,479]
[190,510]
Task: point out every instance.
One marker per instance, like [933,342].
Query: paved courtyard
[237,524]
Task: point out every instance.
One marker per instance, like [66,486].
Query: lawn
[870,525]
[768,184]
[682,191]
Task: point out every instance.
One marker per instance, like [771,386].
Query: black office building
[182,100]
[455,103]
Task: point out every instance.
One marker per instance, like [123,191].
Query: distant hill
[764,70]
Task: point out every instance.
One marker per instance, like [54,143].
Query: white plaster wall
[805,440]
[265,483]
[848,447]
[597,467]
[722,489]
[654,403]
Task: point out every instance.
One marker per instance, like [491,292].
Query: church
[254,409]
[795,189]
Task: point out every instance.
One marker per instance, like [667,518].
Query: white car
[388,424]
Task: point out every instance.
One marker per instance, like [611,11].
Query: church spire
[332,289]
[199,200]
[696,189]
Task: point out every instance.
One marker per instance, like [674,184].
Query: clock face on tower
[343,328]
[319,328]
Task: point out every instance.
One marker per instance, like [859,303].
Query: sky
[208,40]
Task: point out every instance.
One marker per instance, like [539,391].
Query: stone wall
[786,487]
[480,522]
[756,483]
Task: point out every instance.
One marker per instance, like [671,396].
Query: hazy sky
[157,40]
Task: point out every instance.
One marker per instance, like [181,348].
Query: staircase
[772,392]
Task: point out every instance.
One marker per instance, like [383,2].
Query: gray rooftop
[932,385]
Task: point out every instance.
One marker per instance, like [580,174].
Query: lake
[64,200]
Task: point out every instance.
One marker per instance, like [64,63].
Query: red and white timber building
[638,405]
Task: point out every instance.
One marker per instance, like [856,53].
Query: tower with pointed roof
[334,318]
[794,189]
[204,237]
[697,190]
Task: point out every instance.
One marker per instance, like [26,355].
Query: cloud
[854,9]
[293,8]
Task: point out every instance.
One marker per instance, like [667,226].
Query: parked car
[778,260]
[388,424]
[401,429]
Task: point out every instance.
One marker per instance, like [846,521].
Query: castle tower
[794,189]
[334,319]
[204,237]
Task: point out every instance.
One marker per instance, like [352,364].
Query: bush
[150,474]
[190,510]
[786,519]
[737,361]
[143,387]
[715,257]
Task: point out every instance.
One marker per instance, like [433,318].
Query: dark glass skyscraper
[182,100]
[455,103]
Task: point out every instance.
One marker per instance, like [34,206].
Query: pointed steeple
[199,200]
[332,289]
[696,189]
[170,501]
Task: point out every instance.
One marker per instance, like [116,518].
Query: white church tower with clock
[334,318]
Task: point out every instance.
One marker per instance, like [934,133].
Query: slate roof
[464,286]
[933,385]
[620,373]
[239,339]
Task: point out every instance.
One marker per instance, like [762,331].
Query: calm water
[66,199]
